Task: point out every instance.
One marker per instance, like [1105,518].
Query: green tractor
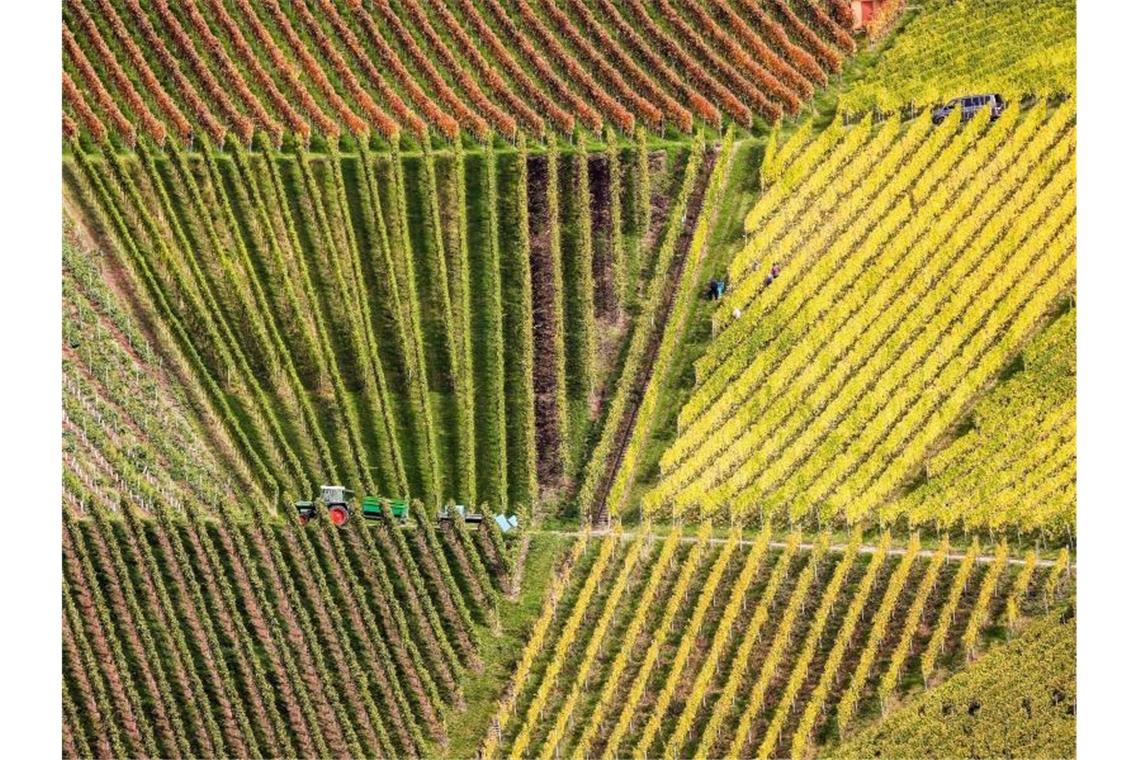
[336,501]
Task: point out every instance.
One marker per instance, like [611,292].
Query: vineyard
[977,45]
[906,275]
[335,71]
[404,385]
[697,393]
[694,646]
[1016,700]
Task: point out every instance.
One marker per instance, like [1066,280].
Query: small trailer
[464,515]
[372,508]
[506,524]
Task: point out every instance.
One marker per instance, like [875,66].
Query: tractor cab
[372,508]
[335,499]
[460,512]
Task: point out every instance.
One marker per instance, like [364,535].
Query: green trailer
[373,507]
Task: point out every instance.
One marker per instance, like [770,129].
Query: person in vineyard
[773,273]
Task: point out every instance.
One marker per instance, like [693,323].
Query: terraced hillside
[330,68]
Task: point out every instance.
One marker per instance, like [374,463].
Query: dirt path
[545,323]
[630,535]
[660,317]
[605,294]
[660,185]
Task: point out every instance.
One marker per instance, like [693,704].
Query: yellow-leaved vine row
[850,701]
[600,628]
[562,647]
[637,688]
[801,740]
[897,306]
[639,623]
[688,640]
[781,641]
[533,647]
[736,673]
[980,615]
[902,650]
[937,641]
[799,674]
[1020,586]
[721,641]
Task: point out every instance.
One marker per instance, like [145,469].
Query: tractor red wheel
[338,514]
[304,519]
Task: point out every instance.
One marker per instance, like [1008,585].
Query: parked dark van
[971,104]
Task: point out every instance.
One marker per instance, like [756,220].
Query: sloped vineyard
[356,68]
[685,646]
[907,282]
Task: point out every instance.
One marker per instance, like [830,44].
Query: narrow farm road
[629,535]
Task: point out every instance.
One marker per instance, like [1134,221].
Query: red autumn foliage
[697,102]
[489,74]
[838,33]
[260,75]
[823,51]
[882,21]
[720,68]
[503,121]
[630,67]
[317,74]
[616,111]
[841,12]
[201,111]
[155,128]
[583,111]
[94,85]
[768,60]
[234,78]
[423,64]
[425,105]
[326,124]
[70,129]
[801,59]
[650,112]
[73,97]
[694,71]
